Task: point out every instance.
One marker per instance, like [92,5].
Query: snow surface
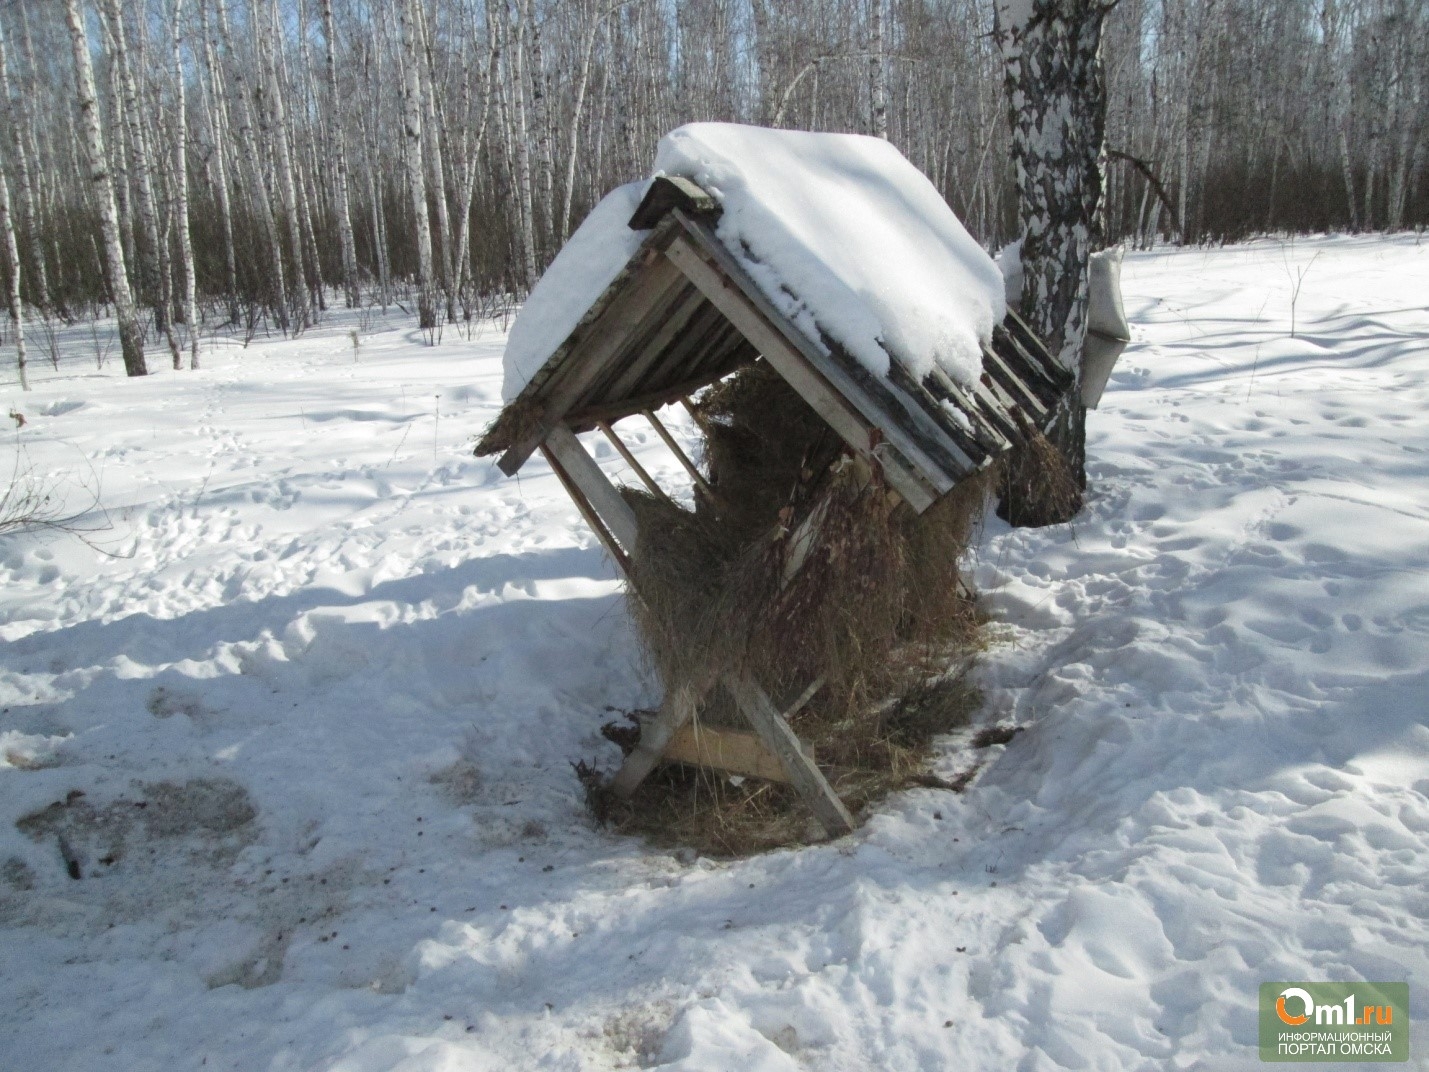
[585,266]
[346,667]
[839,231]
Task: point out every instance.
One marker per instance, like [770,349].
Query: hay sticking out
[1039,485]
[877,608]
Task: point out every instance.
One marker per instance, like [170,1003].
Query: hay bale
[878,608]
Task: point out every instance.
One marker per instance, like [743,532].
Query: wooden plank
[875,412]
[754,324]
[735,751]
[622,562]
[591,416]
[602,495]
[774,731]
[632,461]
[680,455]
[676,710]
[591,357]
[678,321]
[1032,346]
[668,192]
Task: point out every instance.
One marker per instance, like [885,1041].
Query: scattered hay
[1039,485]
[877,608]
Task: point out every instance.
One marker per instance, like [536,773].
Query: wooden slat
[631,460]
[681,315]
[590,416]
[774,731]
[680,455]
[735,751]
[590,358]
[616,552]
[602,495]
[1036,353]
[882,413]
[754,324]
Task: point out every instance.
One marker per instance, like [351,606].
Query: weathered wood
[622,562]
[851,383]
[669,192]
[631,460]
[680,319]
[590,416]
[756,325]
[680,455]
[601,494]
[605,339]
[676,710]
[774,731]
[735,751]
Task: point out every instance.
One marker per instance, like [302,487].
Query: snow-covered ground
[322,702]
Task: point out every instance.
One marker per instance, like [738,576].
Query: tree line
[182,162]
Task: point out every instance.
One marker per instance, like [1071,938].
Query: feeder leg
[774,731]
[677,709]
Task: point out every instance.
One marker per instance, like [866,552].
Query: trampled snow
[844,235]
[345,667]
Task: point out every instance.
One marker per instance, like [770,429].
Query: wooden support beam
[628,407]
[622,561]
[774,731]
[604,500]
[630,460]
[680,455]
[735,751]
[676,710]
[602,342]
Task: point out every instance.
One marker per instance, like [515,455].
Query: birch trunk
[416,173]
[149,250]
[131,339]
[262,202]
[878,74]
[271,91]
[338,151]
[12,292]
[17,119]
[1052,52]
[516,66]
[181,191]
[212,101]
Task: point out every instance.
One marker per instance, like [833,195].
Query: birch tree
[12,292]
[1052,51]
[131,337]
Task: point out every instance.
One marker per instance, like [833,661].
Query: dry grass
[1039,486]
[877,609]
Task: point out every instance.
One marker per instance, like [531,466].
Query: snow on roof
[844,235]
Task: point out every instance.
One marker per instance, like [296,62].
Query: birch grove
[236,161]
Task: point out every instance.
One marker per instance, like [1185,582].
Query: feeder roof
[832,250]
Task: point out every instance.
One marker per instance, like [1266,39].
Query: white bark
[12,292]
[338,148]
[416,173]
[16,118]
[130,336]
[181,191]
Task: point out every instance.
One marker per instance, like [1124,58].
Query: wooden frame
[685,312]
[616,526]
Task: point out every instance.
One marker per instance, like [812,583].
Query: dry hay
[878,610]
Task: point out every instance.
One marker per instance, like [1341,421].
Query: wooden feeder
[684,314]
